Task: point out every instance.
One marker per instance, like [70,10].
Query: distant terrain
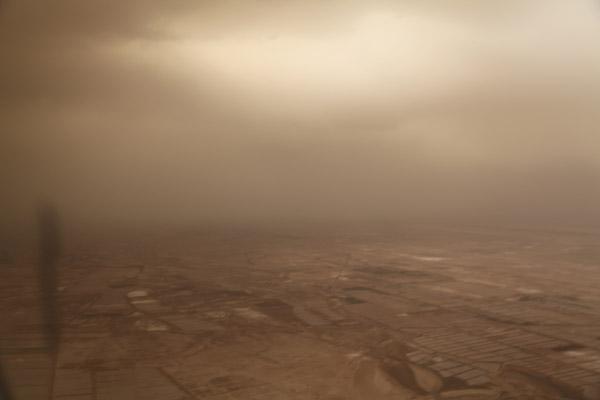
[420,312]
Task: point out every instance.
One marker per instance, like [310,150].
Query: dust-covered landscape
[419,312]
[306,200]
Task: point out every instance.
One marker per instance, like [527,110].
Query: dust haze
[299,199]
[186,111]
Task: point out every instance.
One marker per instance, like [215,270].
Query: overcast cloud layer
[185,111]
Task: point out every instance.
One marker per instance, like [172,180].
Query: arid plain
[417,312]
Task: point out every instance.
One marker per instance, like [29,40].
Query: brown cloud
[186,110]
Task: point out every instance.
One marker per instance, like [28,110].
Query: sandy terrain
[411,313]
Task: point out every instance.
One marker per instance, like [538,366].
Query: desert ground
[412,312]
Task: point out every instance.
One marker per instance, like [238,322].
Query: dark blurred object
[4,387]
[49,252]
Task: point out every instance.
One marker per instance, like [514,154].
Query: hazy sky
[182,110]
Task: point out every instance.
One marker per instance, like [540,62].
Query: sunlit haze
[235,111]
